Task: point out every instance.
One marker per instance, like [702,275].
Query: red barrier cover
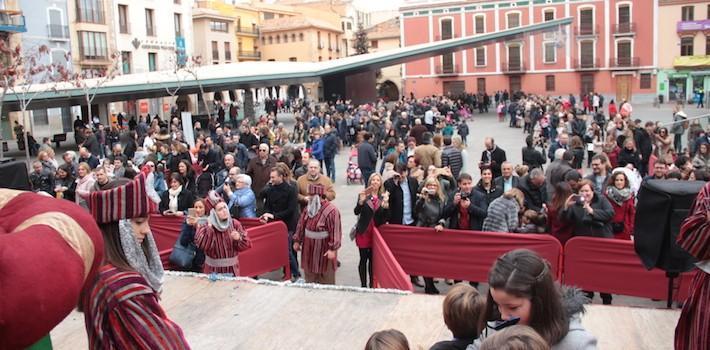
[461,255]
[269,249]
[612,266]
[386,271]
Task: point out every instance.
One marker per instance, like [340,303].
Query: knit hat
[125,200]
[316,189]
[211,200]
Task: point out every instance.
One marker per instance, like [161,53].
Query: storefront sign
[690,26]
[144,107]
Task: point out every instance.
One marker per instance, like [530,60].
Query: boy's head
[463,309]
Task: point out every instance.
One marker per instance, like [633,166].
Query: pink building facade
[610,48]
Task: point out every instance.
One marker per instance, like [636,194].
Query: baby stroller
[353,175]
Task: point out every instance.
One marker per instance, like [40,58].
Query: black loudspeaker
[662,207]
[14,175]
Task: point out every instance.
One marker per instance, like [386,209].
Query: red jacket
[561,230]
[624,213]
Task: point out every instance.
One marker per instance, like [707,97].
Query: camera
[579,200]
[464,196]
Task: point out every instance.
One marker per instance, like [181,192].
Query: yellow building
[213,33]
[385,36]
[299,38]
[247,31]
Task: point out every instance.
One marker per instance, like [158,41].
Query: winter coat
[395,213]
[317,149]
[595,225]
[499,182]
[430,213]
[243,203]
[185,200]
[502,215]
[477,212]
[428,155]
[451,157]
[533,158]
[629,157]
[496,160]
[624,215]
[367,219]
[489,194]
[366,157]
[535,197]
[330,145]
[282,201]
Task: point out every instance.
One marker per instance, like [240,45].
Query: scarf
[313,206]
[220,225]
[173,196]
[618,196]
[147,263]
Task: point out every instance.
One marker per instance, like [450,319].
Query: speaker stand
[671,276]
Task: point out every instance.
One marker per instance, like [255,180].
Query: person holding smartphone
[429,212]
[588,212]
[177,199]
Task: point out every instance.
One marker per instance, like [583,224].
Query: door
[587,84]
[515,84]
[454,88]
[481,85]
[623,87]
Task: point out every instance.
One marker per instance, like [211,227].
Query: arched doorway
[293,91]
[389,91]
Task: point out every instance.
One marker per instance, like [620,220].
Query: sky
[378,5]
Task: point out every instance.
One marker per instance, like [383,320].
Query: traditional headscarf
[211,201]
[146,262]
[315,192]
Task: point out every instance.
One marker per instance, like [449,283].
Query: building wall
[75,27]
[307,50]
[246,18]
[204,36]
[422,24]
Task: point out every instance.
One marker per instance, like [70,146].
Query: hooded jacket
[577,338]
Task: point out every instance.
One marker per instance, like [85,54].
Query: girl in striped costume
[222,238]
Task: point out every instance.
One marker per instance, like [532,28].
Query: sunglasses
[263,150]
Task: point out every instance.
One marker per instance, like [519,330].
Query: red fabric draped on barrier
[386,271]
[269,249]
[612,266]
[461,255]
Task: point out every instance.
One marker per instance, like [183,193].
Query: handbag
[182,256]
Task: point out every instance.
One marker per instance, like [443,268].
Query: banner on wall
[187,131]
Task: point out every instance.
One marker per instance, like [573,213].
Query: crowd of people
[236,169]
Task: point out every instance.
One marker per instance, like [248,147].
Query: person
[532,157]
[663,141]
[506,181]
[561,143]
[281,204]
[84,184]
[701,161]
[221,238]
[187,233]
[516,337]
[660,170]
[87,157]
[588,212]
[522,287]
[184,168]
[429,211]
[330,150]
[317,146]
[503,212]
[691,330]
[644,140]
[390,339]
[259,169]
[600,173]
[102,179]
[629,155]
[319,234]
[577,147]
[402,191]
[314,177]
[65,183]
[41,179]
[487,187]
[177,199]
[115,319]
[534,190]
[366,156]
[370,211]
[558,169]
[558,228]
[493,156]
[680,121]
[242,201]
[621,198]
[463,308]
[467,209]
[426,153]
[451,157]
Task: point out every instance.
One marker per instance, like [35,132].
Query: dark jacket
[366,214]
[330,146]
[91,160]
[282,202]
[260,173]
[579,127]
[430,213]
[489,195]
[535,197]
[395,212]
[498,181]
[185,200]
[644,143]
[496,160]
[42,181]
[366,157]
[92,144]
[451,157]
[187,237]
[477,211]
[595,225]
[628,157]
[70,183]
[553,148]
[533,158]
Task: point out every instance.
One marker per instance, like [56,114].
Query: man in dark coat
[330,149]
[467,208]
[533,188]
[366,157]
[493,156]
[644,143]
[281,204]
[507,180]
[403,192]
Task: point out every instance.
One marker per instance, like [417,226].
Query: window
[215,50]
[624,14]
[126,62]
[373,44]
[586,21]
[292,59]
[550,55]
[219,26]
[123,19]
[480,56]
[227,51]
[513,19]
[320,44]
[350,26]
[278,39]
[293,38]
[479,24]
[320,58]
[177,18]
[342,26]
[93,45]
[447,31]
[515,62]
[268,15]
[90,11]
[300,37]
[152,61]
[549,83]
[548,15]
[645,80]
[686,46]
[687,13]
[263,40]
[481,84]
[59,57]
[271,40]
[623,53]
[707,45]
[149,28]
[285,38]
[586,55]
[330,45]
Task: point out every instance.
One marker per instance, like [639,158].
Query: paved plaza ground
[482,125]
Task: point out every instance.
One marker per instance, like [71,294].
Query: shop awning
[692,61]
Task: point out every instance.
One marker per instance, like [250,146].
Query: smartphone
[192,212]
[579,200]
[500,324]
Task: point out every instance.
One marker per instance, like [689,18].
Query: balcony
[693,26]
[448,69]
[621,29]
[249,55]
[439,38]
[57,32]
[586,64]
[253,31]
[586,31]
[623,62]
[12,21]
[513,68]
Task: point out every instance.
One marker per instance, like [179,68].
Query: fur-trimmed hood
[573,300]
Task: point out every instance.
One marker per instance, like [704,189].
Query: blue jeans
[292,258]
[330,167]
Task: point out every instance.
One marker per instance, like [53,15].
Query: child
[463,312]
[532,222]
[390,339]
[515,338]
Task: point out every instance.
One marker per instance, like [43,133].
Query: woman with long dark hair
[522,288]
[187,233]
[621,198]
[557,227]
[487,186]
[185,170]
